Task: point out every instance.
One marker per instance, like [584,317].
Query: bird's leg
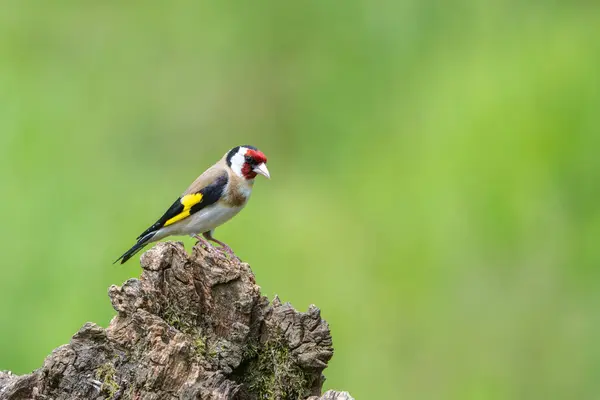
[208,236]
[201,240]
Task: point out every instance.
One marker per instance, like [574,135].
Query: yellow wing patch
[188,201]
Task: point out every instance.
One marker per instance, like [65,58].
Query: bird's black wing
[191,203]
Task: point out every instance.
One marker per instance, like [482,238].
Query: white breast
[202,221]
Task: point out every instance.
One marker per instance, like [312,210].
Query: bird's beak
[262,169]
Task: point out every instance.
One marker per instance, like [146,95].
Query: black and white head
[247,162]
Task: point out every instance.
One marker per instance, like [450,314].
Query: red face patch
[247,171]
[257,155]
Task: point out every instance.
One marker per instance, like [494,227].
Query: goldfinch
[212,199]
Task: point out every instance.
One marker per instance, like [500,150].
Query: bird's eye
[249,159]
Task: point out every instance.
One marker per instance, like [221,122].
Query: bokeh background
[435,176]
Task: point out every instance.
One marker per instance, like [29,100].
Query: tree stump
[192,327]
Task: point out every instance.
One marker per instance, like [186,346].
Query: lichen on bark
[192,327]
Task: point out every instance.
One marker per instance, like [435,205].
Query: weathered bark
[192,327]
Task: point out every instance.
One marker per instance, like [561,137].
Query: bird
[215,197]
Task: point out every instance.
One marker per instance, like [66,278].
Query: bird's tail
[136,247]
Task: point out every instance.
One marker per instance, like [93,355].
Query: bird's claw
[222,246]
[202,242]
[227,250]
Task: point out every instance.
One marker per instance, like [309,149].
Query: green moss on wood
[274,374]
[179,320]
[199,347]
[106,374]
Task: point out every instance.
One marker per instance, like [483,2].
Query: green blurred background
[435,176]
